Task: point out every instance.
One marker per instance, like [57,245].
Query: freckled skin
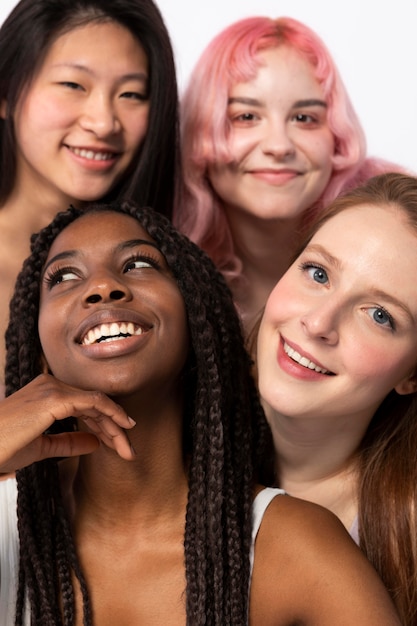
[341,321]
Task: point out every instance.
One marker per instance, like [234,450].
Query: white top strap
[260,504]
[9,551]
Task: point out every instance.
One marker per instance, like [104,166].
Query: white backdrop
[374,44]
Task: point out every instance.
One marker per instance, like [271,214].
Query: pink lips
[274,176]
[296,370]
[84,158]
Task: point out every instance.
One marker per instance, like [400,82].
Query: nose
[99,116]
[277,141]
[105,289]
[322,323]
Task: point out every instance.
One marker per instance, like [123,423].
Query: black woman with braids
[137,438]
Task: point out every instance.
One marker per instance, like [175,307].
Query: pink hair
[231,57]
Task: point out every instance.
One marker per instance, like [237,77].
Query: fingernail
[133,450]
[131,421]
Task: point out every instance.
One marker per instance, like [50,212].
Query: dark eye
[137,264]
[245,117]
[59,276]
[71,85]
[303,117]
[142,261]
[134,95]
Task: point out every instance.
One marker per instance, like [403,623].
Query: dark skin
[127,504]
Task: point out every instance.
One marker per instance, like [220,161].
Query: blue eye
[315,272]
[381,316]
[319,275]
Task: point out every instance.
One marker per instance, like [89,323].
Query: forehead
[91,40]
[365,219]
[371,236]
[284,65]
[96,231]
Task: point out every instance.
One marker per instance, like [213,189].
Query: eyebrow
[377,293]
[125,245]
[140,76]
[329,258]
[298,104]
[251,101]
[385,296]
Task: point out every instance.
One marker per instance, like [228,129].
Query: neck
[265,249]
[22,215]
[29,212]
[316,461]
[103,487]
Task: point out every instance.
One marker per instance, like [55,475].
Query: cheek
[136,127]
[43,112]
[49,336]
[241,144]
[279,308]
[222,180]
[377,363]
[321,149]
[283,301]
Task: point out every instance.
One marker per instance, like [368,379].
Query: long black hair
[25,38]
[225,435]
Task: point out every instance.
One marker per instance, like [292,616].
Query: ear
[3,109]
[44,364]
[407,385]
[338,162]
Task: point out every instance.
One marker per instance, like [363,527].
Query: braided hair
[225,436]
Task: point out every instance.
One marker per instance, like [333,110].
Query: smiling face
[340,328]
[81,120]
[280,141]
[111,315]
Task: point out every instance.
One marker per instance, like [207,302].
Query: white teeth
[115,329]
[91,155]
[111,332]
[302,360]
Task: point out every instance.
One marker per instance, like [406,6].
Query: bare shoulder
[308,571]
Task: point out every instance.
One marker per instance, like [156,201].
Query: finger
[49,446]
[98,406]
[68,444]
[118,442]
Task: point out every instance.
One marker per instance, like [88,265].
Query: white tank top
[9,544]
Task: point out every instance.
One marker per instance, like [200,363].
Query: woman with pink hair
[270,137]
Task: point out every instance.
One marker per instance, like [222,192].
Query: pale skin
[89,95]
[282,157]
[347,306]
[127,502]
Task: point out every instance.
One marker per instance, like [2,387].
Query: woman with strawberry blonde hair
[337,372]
[269,137]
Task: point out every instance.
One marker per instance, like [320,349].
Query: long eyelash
[144,256]
[306,265]
[54,273]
